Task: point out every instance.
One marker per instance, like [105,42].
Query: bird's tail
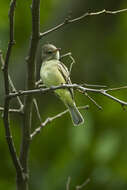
[75,115]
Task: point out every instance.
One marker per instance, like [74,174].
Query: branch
[10,81]
[72,59]
[38,83]
[74,86]
[94,85]
[68,183]
[69,21]
[78,187]
[26,129]
[12,110]
[115,89]
[9,139]
[50,119]
[14,90]
[93,101]
[65,55]
[37,109]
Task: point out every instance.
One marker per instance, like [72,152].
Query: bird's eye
[49,52]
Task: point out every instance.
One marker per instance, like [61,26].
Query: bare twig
[37,83]
[11,110]
[115,89]
[94,102]
[37,110]
[26,129]
[68,183]
[74,86]
[14,90]
[2,60]
[72,59]
[65,55]
[9,139]
[50,119]
[93,85]
[10,81]
[41,86]
[78,187]
[68,20]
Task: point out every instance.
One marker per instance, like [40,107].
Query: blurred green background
[98,149]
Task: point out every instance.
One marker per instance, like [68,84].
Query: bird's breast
[50,75]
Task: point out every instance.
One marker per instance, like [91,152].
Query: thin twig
[78,187]
[30,84]
[68,20]
[94,102]
[37,83]
[69,54]
[42,86]
[37,110]
[2,60]
[50,119]
[10,81]
[71,65]
[65,55]
[91,99]
[94,85]
[9,139]
[74,86]
[14,90]
[11,110]
[115,89]
[68,183]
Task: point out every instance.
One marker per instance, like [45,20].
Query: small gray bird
[54,73]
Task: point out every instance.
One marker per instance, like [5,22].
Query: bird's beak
[57,49]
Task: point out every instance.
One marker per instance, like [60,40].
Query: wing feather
[65,73]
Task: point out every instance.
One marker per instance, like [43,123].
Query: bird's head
[50,52]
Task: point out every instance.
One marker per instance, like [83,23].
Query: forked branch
[9,139]
[74,86]
[68,19]
[77,187]
[50,119]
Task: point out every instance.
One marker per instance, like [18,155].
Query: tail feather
[75,115]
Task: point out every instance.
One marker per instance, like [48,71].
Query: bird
[54,73]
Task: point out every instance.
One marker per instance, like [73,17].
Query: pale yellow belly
[51,76]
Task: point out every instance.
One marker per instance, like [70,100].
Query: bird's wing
[65,73]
